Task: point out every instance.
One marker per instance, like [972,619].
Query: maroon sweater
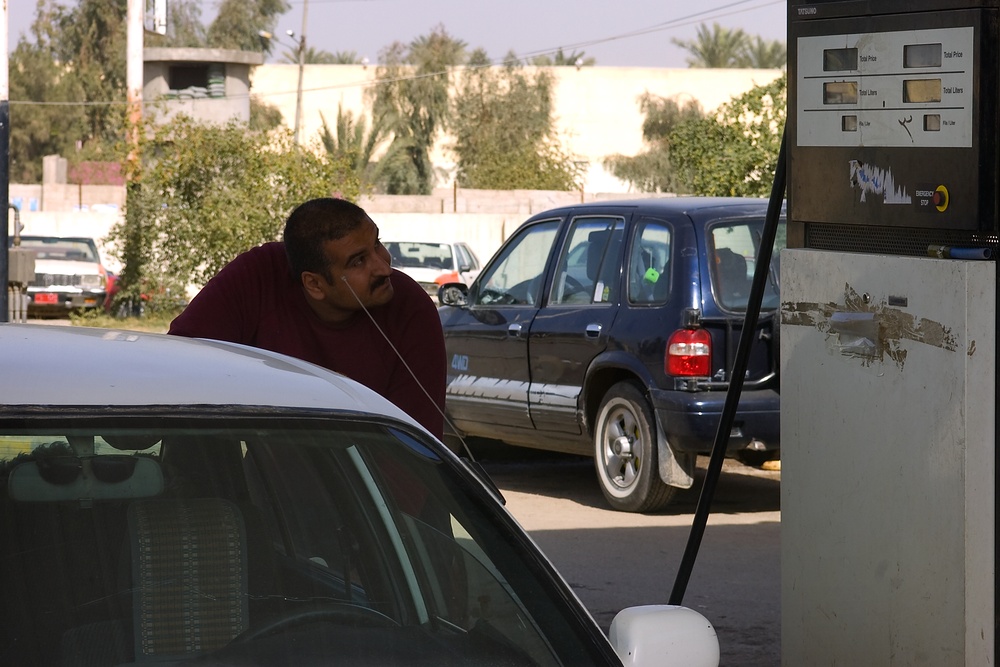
[255,301]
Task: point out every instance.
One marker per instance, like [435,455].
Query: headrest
[597,241]
[68,478]
[731,265]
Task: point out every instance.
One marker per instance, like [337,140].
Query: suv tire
[625,452]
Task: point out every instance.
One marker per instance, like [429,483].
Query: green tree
[735,151]
[354,143]
[412,88]
[347,58]
[715,47]
[320,57]
[239,22]
[651,170]
[722,47]
[67,87]
[560,59]
[504,133]
[264,117]
[209,192]
[763,54]
[184,27]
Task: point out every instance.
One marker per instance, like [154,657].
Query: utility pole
[302,64]
[132,247]
[133,75]
[4,160]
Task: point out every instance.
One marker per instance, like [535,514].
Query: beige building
[596,108]
[209,84]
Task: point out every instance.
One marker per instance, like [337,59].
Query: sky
[620,33]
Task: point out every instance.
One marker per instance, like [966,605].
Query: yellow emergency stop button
[941,198]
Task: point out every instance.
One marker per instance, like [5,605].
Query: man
[307,297]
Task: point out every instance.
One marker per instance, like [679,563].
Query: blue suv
[610,329]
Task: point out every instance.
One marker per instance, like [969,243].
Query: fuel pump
[21,271]
[889,326]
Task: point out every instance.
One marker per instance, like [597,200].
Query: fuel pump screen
[922,55]
[891,129]
[839,60]
[840,92]
[921,91]
[885,90]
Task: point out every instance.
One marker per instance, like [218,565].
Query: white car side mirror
[664,635]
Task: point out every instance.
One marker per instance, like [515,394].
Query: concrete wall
[482,218]
[66,197]
[596,108]
[483,232]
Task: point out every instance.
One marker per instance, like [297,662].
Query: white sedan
[433,264]
[181,500]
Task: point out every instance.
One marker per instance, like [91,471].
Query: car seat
[189,576]
[731,276]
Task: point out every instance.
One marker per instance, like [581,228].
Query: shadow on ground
[740,489]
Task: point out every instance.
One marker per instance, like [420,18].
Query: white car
[68,275]
[433,264]
[171,499]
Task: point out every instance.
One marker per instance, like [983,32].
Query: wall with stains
[888,451]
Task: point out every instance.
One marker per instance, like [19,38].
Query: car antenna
[437,407]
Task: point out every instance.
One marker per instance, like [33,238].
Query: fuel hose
[760,277]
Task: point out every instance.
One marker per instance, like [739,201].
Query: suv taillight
[689,352]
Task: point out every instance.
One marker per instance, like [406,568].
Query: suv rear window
[734,254]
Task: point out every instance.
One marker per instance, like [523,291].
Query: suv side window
[588,267]
[649,264]
[516,277]
[734,252]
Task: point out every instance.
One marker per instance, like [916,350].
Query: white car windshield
[60,248]
[260,540]
[420,255]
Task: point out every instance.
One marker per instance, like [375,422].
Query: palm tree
[560,59]
[763,54]
[315,56]
[412,90]
[354,141]
[720,47]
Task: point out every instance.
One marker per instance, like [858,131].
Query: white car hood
[66,267]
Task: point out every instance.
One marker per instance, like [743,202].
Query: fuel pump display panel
[890,125]
[901,89]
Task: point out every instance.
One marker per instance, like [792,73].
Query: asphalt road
[615,560]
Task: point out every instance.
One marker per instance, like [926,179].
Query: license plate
[46,298]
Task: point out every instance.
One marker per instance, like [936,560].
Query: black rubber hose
[760,277]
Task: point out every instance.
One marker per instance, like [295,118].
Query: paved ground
[614,560]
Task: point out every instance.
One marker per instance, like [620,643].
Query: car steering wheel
[334,612]
[574,285]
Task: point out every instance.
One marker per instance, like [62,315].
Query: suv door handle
[514,330]
[594,330]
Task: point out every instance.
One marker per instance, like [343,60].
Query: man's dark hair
[313,223]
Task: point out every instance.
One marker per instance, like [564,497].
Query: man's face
[360,268]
